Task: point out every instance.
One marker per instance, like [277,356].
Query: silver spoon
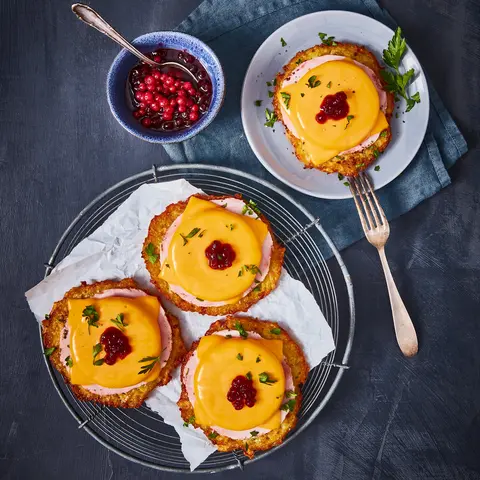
[92,18]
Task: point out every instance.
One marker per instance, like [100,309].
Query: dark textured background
[60,147]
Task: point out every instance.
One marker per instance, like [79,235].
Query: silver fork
[377,230]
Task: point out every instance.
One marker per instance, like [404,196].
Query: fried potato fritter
[53,327]
[347,164]
[156,233]
[298,365]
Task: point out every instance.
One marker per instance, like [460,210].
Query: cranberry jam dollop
[333,106]
[220,255]
[242,393]
[167,98]
[115,345]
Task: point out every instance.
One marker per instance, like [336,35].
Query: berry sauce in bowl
[164,104]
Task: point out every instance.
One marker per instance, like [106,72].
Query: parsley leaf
[289,406]
[118,322]
[239,356]
[286,98]
[149,366]
[384,133]
[191,420]
[190,235]
[265,378]
[349,119]
[212,435]
[270,117]
[150,253]
[283,42]
[250,208]
[270,94]
[326,40]
[290,394]
[91,315]
[49,351]
[329,85]
[238,326]
[252,269]
[347,184]
[96,350]
[253,433]
[377,168]
[313,82]
[258,103]
[302,94]
[269,84]
[69,361]
[249,375]
[276,331]
[340,177]
[258,360]
[299,61]
[396,48]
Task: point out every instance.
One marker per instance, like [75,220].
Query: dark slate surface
[60,147]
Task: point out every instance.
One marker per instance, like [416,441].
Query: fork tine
[363,221]
[368,191]
[372,192]
[364,200]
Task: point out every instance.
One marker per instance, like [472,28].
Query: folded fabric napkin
[235,29]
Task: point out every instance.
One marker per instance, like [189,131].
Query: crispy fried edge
[350,164]
[156,232]
[52,328]
[295,360]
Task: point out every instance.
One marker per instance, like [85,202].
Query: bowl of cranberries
[166,104]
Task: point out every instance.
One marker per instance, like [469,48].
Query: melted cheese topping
[186,264]
[218,365]
[324,141]
[143,332]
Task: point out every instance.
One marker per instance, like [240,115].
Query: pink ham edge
[300,71]
[165,333]
[233,205]
[187,380]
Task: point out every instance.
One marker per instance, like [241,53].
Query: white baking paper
[113,251]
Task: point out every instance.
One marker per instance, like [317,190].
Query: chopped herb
[376,153]
[283,42]
[347,184]
[326,40]
[313,82]
[302,94]
[396,115]
[96,350]
[258,103]
[49,351]
[270,94]
[377,168]
[167,265]
[200,299]
[264,378]
[149,366]
[359,165]
[228,336]
[276,331]
[91,315]
[246,446]
[286,98]
[150,253]
[349,119]
[241,330]
[299,61]
[257,288]
[258,360]
[239,356]
[47,316]
[249,375]
[269,84]
[202,233]
[191,420]
[289,406]
[412,101]
[252,269]
[69,361]
[270,117]
[250,208]
[384,133]
[290,394]
[340,177]
[329,85]
[118,322]
[212,435]
[275,82]
[253,433]
[231,226]
[190,235]
[240,272]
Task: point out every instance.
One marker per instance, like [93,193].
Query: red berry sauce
[115,344]
[241,393]
[168,99]
[333,107]
[220,255]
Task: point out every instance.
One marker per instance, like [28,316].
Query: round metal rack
[141,435]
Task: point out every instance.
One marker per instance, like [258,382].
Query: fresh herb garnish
[69,361]
[313,82]
[150,252]
[200,299]
[257,288]
[270,94]
[191,420]
[212,435]
[289,406]
[252,269]
[239,356]
[265,378]
[286,98]
[49,351]
[275,82]
[302,94]
[269,84]
[253,433]
[118,322]
[299,61]
[376,153]
[249,375]
[270,117]
[241,330]
[202,233]
[96,350]
[258,360]
[47,316]
[347,184]
[149,366]
[329,85]
[250,208]
[276,331]
[377,168]
[283,42]
[384,133]
[359,165]
[228,336]
[231,226]
[290,394]
[258,103]
[190,235]
[349,119]
[397,82]
[326,40]
[340,177]
[91,315]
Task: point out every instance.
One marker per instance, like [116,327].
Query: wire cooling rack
[141,435]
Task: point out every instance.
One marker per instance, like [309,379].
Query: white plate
[271,145]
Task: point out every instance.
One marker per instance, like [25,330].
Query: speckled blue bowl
[125,61]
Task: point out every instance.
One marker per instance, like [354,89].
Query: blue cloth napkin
[235,29]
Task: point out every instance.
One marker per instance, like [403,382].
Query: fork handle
[404,329]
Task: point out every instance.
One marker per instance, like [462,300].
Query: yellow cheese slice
[187,266]
[142,330]
[219,363]
[324,141]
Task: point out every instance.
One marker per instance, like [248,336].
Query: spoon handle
[92,18]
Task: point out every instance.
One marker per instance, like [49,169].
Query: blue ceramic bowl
[125,61]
